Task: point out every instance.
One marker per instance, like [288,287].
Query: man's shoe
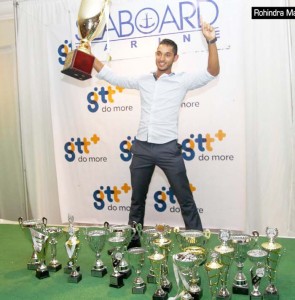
[134,243]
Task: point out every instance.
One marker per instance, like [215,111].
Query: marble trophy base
[116,280]
[75,279]
[167,287]
[151,278]
[164,296]
[139,289]
[54,267]
[269,296]
[41,274]
[99,272]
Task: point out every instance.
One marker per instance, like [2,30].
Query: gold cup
[91,22]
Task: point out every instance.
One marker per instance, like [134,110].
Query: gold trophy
[91,22]
[275,251]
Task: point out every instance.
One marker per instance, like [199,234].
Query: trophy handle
[44,220]
[207,233]
[106,225]
[20,221]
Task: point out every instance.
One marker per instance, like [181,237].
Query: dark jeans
[169,158]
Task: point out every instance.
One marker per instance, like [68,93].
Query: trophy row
[157,246]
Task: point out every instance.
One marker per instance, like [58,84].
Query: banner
[95,123]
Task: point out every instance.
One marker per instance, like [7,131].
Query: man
[161,94]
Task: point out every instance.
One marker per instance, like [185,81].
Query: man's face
[165,58]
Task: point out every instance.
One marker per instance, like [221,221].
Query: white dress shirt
[160,100]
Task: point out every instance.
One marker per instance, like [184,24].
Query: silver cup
[242,243]
[54,234]
[25,226]
[136,257]
[96,240]
[258,257]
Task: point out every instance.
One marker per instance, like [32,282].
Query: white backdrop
[54,111]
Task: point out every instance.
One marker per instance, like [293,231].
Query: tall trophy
[96,240]
[25,226]
[54,233]
[226,256]
[258,257]
[157,261]
[213,268]
[137,257]
[275,252]
[40,239]
[91,22]
[242,243]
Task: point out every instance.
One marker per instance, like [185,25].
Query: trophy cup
[91,21]
[258,257]
[163,245]
[96,240]
[54,233]
[136,257]
[25,226]
[226,256]
[242,243]
[40,244]
[213,269]
[157,261]
[275,252]
[117,243]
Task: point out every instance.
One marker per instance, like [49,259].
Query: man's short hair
[170,43]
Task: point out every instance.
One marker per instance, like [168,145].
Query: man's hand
[208,31]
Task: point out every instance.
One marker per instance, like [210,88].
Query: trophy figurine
[91,22]
[96,241]
[275,252]
[136,257]
[213,268]
[226,256]
[40,239]
[258,257]
[54,233]
[157,260]
[242,243]
[25,226]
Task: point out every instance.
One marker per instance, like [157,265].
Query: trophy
[40,239]
[242,243]
[91,22]
[25,226]
[258,257]
[117,243]
[275,252]
[136,257]
[96,240]
[54,233]
[157,260]
[226,256]
[162,244]
[213,269]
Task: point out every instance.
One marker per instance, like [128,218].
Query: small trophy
[258,257]
[226,256]
[213,268]
[25,226]
[242,243]
[275,252]
[96,240]
[54,233]
[157,260]
[91,22]
[136,257]
[40,239]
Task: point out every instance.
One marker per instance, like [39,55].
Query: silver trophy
[54,233]
[136,257]
[226,256]
[25,226]
[40,238]
[242,243]
[96,240]
[275,251]
[258,257]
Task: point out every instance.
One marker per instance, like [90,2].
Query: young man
[161,94]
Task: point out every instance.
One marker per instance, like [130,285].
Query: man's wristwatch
[212,41]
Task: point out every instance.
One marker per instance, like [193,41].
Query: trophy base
[78,64]
[139,289]
[126,274]
[167,287]
[99,273]
[33,266]
[42,274]
[260,297]
[268,296]
[75,279]
[116,281]
[54,268]
[151,278]
[219,297]
[197,296]
[69,270]
[164,296]
[240,290]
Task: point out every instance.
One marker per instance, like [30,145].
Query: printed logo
[63,50]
